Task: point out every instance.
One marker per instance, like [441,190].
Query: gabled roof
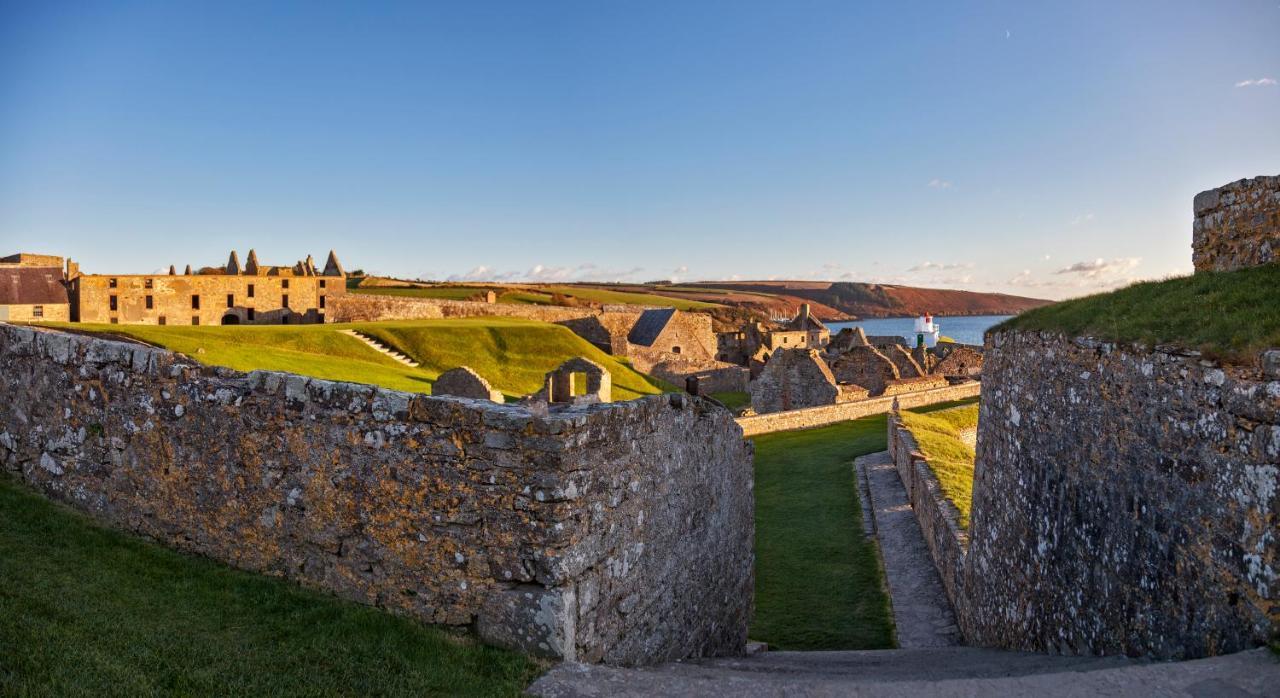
[332,267]
[806,322]
[32,286]
[651,324]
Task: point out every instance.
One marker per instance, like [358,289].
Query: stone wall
[938,517]
[617,532]
[201,299]
[1237,225]
[1126,500]
[866,366]
[831,414]
[793,379]
[903,386]
[364,307]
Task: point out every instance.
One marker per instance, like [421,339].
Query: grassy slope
[89,611]
[511,354]
[818,580]
[734,400]
[950,459]
[1231,315]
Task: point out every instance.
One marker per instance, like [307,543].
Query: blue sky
[1034,148]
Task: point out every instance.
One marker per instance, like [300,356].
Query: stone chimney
[233,264]
[1237,225]
[251,263]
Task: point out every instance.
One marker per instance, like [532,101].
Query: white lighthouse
[927,331]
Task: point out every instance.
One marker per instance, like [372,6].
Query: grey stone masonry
[1237,225]
[617,532]
[1125,500]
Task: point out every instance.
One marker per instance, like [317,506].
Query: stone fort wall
[618,532]
[1126,500]
[1237,225]
[363,307]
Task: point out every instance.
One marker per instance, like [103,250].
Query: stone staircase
[940,671]
[382,348]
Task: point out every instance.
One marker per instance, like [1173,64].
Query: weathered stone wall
[911,385]
[48,312]
[1125,500]
[958,361]
[866,366]
[618,532]
[793,379]
[1237,225]
[364,307]
[831,414]
[938,517]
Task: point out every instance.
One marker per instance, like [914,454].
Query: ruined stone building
[755,344]
[33,288]
[252,294]
[854,367]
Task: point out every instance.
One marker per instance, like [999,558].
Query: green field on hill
[1231,315]
[513,355]
[87,611]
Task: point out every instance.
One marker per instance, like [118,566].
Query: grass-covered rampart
[1228,315]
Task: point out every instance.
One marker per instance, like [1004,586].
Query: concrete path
[921,610]
[948,671]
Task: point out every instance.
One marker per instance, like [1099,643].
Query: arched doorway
[231,319]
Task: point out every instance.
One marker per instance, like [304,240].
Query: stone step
[943,671]
[382,348]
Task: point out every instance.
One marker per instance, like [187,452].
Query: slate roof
[651,324]
[32,286]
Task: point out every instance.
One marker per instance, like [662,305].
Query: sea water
[964,329]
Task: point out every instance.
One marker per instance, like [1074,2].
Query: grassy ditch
[950,458]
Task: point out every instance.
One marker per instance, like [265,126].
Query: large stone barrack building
[249,294]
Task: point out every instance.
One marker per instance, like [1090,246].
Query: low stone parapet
[616,532]
[856,409]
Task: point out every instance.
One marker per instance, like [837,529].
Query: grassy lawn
[950,459]
[818,580]
[733,400]
[86,611]
[1232,315]
[511,354]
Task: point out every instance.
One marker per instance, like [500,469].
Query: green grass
[735,400]
[818,579]
[1230,315]
[541,295]
[513,355]
[950,459]
[86,611]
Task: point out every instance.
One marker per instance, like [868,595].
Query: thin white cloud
[938,266]
[1100,267]
[541,273]
[940,183]
[1083,218]
[1261,82]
